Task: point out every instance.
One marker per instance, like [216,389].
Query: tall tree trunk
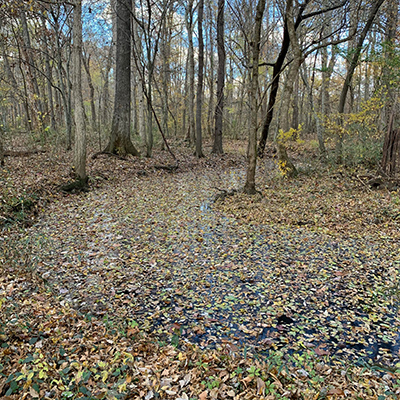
[295,117]
[1,151]
[219,109]
[189,27]
[185,131]
[210,43]
[250,185]
[318,122]
[79,116]
[86,64]
[200,78]
[166,76]
[30,67]
[350,72]
[105,114]
[49,77]
[137,54]
[120,141]
[392,16]
[63,89]
[285,164]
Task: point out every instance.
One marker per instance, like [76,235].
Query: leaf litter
[147,275]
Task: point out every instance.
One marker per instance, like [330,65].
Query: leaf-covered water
[157,251]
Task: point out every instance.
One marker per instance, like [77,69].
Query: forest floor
[150,285]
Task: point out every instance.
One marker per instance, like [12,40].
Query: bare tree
[278,65]
[350,71]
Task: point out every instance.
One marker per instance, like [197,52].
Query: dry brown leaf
[203,395]
[260,386]
[336,391]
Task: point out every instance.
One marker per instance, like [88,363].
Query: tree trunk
[30,68]
[285,164]
[210,53]
[105,114]
[86,64]
[120,141]
[189,26]
[79,116]
[320,133]
[1,152]
[200,78]
[392,15]
[391,150]
[353,64]
[63,90]
[250,185]
[137,54]
[295,117]
[275,82]
[166,76]
[219,109]
[49,77]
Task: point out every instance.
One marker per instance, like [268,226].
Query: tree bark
[219,109]
[189,27]
[120,141]
[166,76]
[79,115]
[49,77]
[86,64]
[63,89]
[30,67]
[210,53]
[137,54]
[200,78]
[250,185]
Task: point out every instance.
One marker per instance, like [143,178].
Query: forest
[199,199]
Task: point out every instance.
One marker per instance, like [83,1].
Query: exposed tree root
[79,185]
[169,168]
